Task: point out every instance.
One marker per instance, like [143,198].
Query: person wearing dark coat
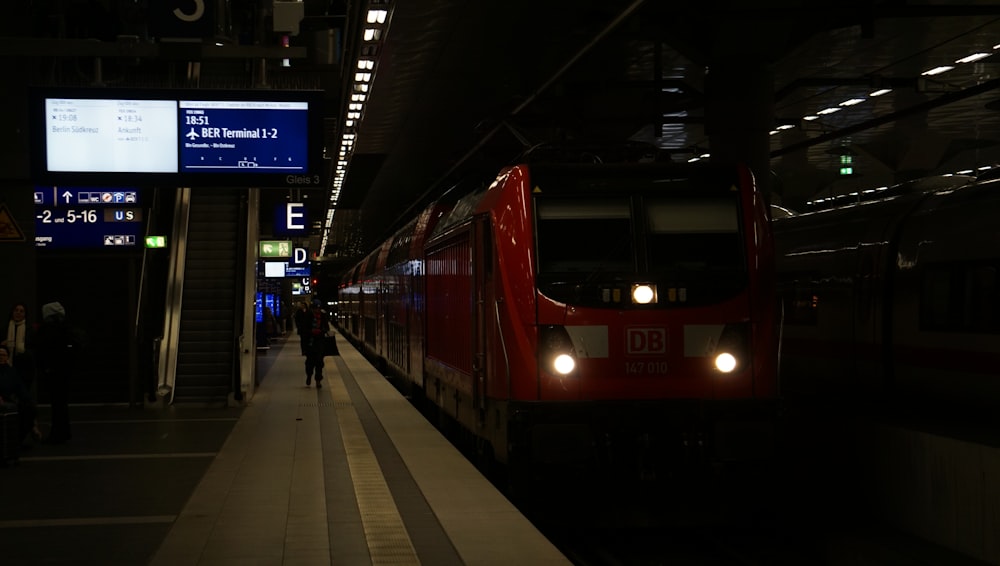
[14,396]
[57,347]
[303,321]
[319,325]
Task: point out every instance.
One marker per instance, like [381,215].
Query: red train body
[468,306]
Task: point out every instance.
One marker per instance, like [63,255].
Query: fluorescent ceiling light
[879,92]
[937,70]
[973,57]
[829,111]
[852,101]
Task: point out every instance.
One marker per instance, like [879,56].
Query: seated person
[14,396]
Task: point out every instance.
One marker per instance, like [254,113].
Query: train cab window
[584,236]
[694,235]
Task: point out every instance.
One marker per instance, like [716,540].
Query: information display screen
[226,136]
[297,270]
[81,217]
[279,269]
[176,137]
[114,136]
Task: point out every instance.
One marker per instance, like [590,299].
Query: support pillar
[739,113]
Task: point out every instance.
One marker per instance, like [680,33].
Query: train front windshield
[592,244]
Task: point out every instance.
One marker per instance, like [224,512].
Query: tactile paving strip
[388,541]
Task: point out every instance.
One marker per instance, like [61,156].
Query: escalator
[200,353]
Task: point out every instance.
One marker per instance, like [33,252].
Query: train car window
[400,251]
[960,297]
[460,212]
[584,236]
[370,263]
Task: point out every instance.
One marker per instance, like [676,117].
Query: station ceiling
[465,86]
[470,84]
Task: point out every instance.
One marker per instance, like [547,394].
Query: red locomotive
[612,314]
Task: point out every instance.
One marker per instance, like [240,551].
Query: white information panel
[119,136]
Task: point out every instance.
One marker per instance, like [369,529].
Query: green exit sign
[156,241]
[275,248]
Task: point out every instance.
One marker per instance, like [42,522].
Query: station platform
[350,474]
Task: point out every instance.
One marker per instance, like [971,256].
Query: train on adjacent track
[614,315]
[892,300]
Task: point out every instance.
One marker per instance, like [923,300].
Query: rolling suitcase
[10,441]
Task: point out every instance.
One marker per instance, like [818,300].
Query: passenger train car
[615,315]
[893,300]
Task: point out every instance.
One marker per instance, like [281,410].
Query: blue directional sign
[81,217]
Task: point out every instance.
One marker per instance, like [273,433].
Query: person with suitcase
[319,325]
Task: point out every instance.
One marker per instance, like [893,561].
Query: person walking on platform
[57,354]
[303,318]
[319,325]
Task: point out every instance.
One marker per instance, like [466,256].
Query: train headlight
[732,353]
[564,364]
[555,351]
[643,293]
[725,362]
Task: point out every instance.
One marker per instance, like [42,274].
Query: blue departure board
[236,137]
[82,217]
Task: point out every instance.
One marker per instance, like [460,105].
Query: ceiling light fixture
[973,57]
[367,62]
[937,70]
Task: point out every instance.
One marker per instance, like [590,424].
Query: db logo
[645,340]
